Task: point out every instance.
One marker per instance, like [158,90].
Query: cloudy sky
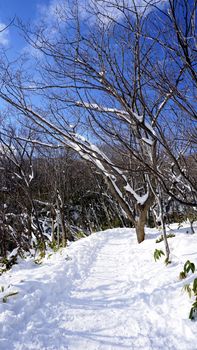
[32,11]
[27,10]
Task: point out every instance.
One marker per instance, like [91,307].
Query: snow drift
[103,292]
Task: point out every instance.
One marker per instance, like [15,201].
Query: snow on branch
[162,105]
[96,156]
[96,107]
[140,199]
[120,113]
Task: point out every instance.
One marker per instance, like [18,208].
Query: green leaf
[195,286]
[191,317]
[194,305]
[157,254]
[192,267]
[167,261]
[186,266]
[189,266]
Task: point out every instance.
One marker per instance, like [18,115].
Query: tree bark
[140,223]
[167,249]
[191,226]
[141,217]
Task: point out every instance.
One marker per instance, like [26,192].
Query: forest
[98,123]
[98,175]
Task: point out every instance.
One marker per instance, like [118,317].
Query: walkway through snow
[108,294]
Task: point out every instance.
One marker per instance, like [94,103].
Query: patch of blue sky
[27,11]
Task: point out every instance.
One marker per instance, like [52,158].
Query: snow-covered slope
[104,292]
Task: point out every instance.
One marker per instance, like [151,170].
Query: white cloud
[106,10]
[30,50]
[109,10]
[4,34]
[53,12]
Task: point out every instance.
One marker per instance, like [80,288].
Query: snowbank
[103,292]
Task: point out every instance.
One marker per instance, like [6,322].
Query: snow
[150,142]
[104,292]
[104,109]
[121,113]
[150,128]
[140,199]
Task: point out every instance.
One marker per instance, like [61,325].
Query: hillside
[104,292]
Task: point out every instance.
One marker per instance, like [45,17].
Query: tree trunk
[167,249]
[141,217]
[3,248]
[191,226]
[140,223]
[106,214]
[53,217]
[60,207]
[64,238]
[52,230]
[58,233]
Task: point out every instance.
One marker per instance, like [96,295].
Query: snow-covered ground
[103,292]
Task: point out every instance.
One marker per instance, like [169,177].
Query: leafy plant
[187,288]
[192,291]
[2,271]
[80,234]
[182,275]
[167,261]
[188,266]
[53,245]
[193,311]
[158,253]
[195,286]
[6,263]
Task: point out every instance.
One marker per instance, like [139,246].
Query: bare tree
[121,77]
[17,161]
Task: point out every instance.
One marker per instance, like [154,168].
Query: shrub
[157,254]
[188,266]
[192,291]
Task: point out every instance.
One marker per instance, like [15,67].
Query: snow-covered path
[107,294]
[98,303]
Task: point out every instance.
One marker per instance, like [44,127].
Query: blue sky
[27,10]
[22,8]
[31,10]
